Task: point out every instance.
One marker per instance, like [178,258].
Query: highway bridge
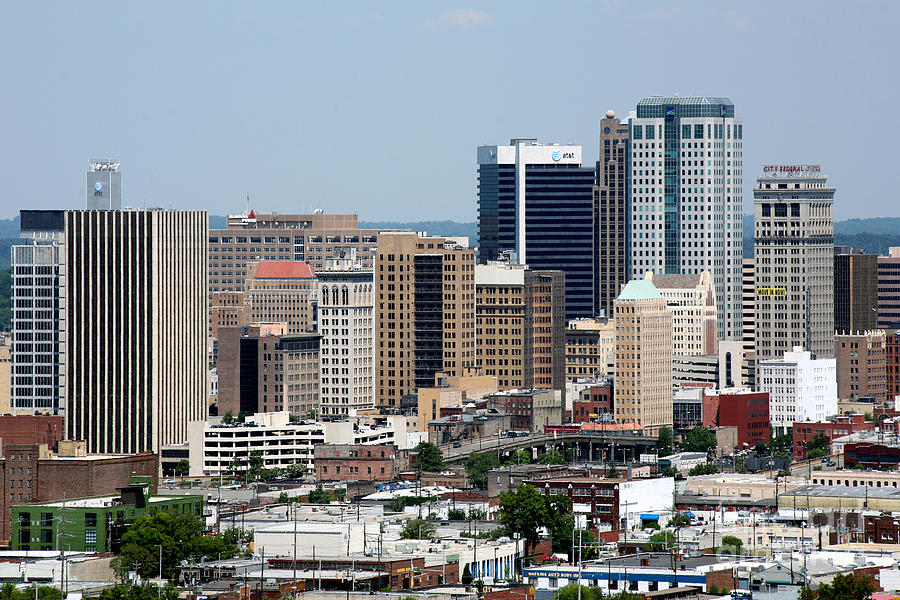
[587,446]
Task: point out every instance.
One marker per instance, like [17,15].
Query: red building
[882,529]
[592,402]
[351,462]
[31,429]
[892,356]
[741,408]
[871,456]
[804,432]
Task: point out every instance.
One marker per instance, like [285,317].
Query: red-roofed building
[281,292]
[741,408]
[282,270]
[804,432]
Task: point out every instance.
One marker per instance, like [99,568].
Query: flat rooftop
[844,491]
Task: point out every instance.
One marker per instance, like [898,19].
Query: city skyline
[202,111]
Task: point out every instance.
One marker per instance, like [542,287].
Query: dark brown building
[261,368]
[855,290]
[32,474]
[356,462]
[892,362]
[609,202]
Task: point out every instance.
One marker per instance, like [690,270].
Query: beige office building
[424,312]
[281,292]
[692,300]
[590,348]
[643,390]
[473,384]
[793,248]
[133,323]
[521,319]
[308,238]
[861,365]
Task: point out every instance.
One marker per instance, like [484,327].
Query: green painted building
[91,524]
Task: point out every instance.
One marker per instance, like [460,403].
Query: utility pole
[294,562]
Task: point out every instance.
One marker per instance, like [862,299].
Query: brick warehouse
[31,473]
[351,462]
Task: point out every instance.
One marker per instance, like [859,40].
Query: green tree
[322,496]
[732,544]
[181,537]
[523,511]
[466,578]
[228,418]
[699,439]
[817,447]
[418,529]
[847,587]
[456,514]
[660,542]
[10,592]
[680,520]
[429,457]
[703,470]
[552,457]
[664,441]
[147,591]
[570,592]
[761,449]
[611,470]
[256,465]
[521,457]
[477,466]
[476,514]
[182,468]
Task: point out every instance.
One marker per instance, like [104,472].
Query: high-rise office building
[643,378]
[104,185]
[861,361]
[855,290]
[692,300]
[611,202]
[424,312]
[264,368]
[793,248]
[889,289]
[686,195]
[346,317]
[38,327]
[281,292]
[536,203]
[276,237]
[521,325]
[132,323]
[590,348]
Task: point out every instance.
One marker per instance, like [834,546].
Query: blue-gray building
[536,203]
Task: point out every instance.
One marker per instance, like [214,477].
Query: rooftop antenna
[248,204]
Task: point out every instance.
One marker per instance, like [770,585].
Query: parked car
[457,444]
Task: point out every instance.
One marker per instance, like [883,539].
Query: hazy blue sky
[375,109]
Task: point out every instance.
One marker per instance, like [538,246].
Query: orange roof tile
[276,269]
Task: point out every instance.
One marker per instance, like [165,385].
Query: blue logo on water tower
[556,155]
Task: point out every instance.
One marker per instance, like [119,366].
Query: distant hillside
[873,235]
[448,228]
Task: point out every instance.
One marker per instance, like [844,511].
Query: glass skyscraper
[685,195]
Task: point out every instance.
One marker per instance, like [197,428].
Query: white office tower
[800,388]
[122,294]
[793,246]
[38,328]
[686,197]
[346,313]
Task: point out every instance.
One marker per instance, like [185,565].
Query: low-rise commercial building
[529,410]
[837,426]
[217,447]
[595,402]
[93,524]
[449,391]
[742,408]
[351,462]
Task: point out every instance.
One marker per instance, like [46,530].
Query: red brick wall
[30,429]
[749,413]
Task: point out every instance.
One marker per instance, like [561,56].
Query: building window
[90,536]
[90,519]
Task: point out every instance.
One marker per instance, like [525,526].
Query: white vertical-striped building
[686,198]
[346,321]
[133,292]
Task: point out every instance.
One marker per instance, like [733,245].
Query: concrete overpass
[587,446]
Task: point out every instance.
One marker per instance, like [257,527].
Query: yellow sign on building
[771,292]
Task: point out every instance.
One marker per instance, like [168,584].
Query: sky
[378,109]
